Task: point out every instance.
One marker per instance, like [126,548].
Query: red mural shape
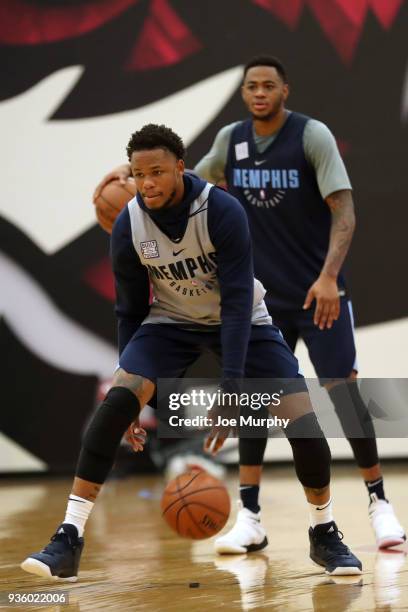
[288,12]
[164,39]
[386,11]
[24,23]
[100,277]
[341,20]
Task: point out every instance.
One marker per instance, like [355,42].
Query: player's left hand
[136,436]
[326,294]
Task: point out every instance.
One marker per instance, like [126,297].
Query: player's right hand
[220,432]
[326,293]
[215,439]
[136,436]
[121,173]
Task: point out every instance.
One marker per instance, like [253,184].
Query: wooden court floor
[132,561]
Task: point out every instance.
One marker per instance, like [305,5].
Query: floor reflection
[250,572]
[133,561]
[340,592]
[389,564]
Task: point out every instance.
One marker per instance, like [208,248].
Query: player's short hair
[267,60]
[153,136]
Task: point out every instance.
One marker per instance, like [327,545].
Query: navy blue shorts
[331,351]
[167,351]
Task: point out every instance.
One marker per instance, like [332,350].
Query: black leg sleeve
[104,433]
[252,450]
[311,453]
[356,422]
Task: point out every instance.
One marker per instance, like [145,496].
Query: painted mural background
[78,76]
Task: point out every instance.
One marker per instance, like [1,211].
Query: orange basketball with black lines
[196,505]
[113,198]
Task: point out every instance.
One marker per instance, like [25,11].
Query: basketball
[196,505]
[113,198]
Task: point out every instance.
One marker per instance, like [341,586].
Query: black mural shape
[43,409]
[61,275]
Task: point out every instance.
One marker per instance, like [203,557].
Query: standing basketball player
[191,241]
[286,171]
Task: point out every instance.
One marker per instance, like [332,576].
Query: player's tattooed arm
[342,229]
[324,290]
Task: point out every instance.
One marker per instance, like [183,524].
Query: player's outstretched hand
[223,419]
[326,294]
[121,173]
[136,436]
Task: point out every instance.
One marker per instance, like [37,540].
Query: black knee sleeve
[311,453]
[104,433]
[252,450]
[356,422]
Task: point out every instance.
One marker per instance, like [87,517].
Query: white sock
[78,511]
[321,514]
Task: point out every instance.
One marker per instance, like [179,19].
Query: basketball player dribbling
[191,240]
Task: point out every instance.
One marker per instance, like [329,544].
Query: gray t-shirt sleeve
[212,166]
[321,151]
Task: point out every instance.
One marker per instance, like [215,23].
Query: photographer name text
[206,421]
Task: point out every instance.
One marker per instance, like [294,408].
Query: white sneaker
[247,535]
[387,529]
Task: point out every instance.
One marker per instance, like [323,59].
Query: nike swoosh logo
[201,209]
[258,163]
[325,506]
[175,253]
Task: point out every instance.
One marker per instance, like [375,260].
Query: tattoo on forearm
[342,229]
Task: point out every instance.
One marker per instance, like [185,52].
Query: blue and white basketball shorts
[331,351]
[166,351]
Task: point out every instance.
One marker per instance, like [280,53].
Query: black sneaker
[59,560]
[328,550]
